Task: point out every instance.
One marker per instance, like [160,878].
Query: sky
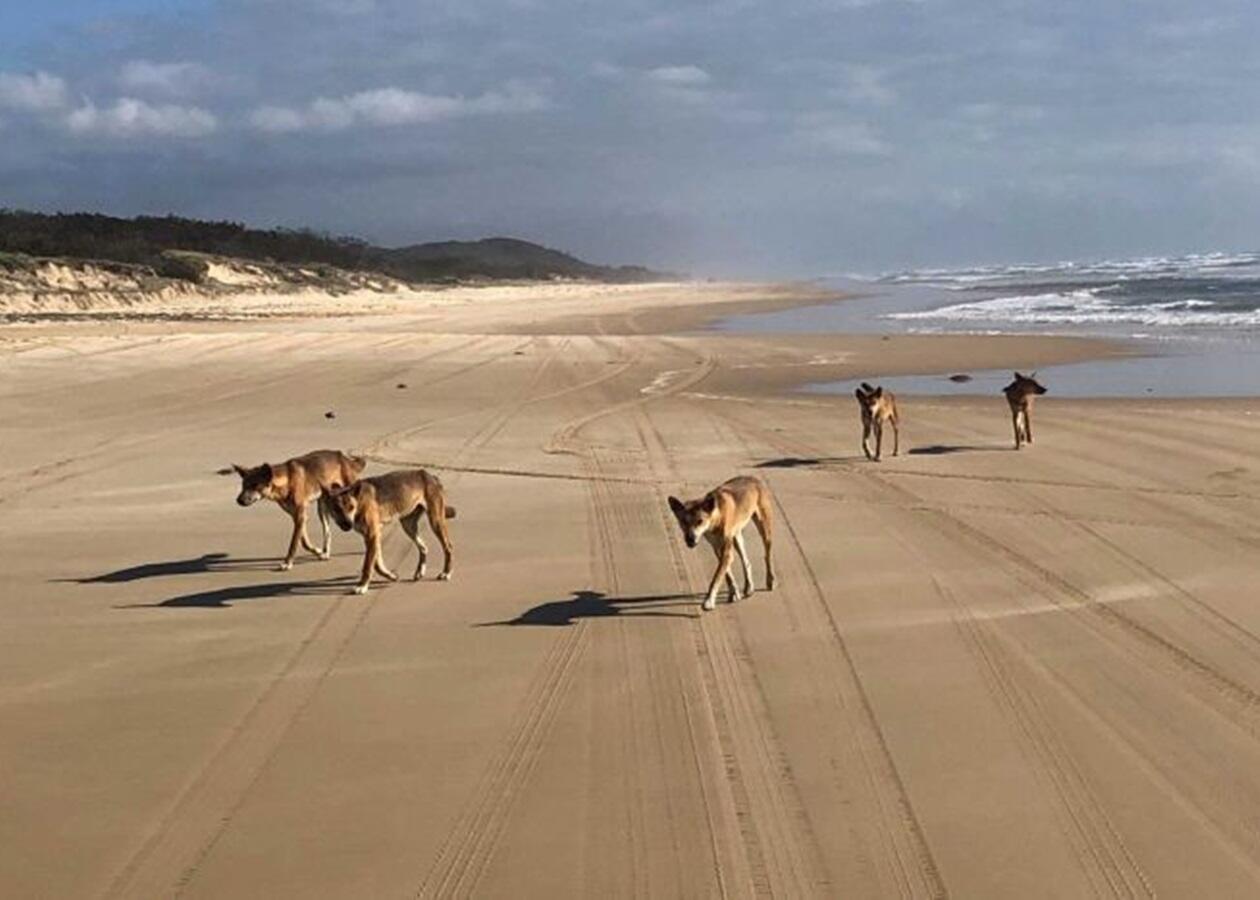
[716,137]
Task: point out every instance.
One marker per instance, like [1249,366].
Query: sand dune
[984,673]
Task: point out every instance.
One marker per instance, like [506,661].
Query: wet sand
[983,673]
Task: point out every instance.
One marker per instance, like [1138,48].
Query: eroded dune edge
[983,673]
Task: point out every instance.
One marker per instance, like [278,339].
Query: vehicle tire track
[899,848]
[1104,856]
[168,858]
[1236,702]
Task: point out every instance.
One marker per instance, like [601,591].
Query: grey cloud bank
[725,137]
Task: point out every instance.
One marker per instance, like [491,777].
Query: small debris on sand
[330,415]
[401,386]
[960,378]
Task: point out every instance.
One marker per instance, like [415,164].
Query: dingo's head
[695,517]
[1024,386]
[344,504]
[257,484]
[868,397]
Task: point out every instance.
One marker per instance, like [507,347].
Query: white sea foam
[1215,265]
[1086,307]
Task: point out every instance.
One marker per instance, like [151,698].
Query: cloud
[129,117]
[175,78]
[392,107]
[841,138]
[683,76]
[867,84]
[348,7]
[37,92]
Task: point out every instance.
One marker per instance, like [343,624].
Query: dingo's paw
[285,566]
[445,576]
[360,589]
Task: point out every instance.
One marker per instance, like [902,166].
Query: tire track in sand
[1100,849]
[1234,703]
[896,851]
[167,861]
[782,852]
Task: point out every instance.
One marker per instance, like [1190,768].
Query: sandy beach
[982,674]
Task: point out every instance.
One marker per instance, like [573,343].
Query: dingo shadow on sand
[206,563]
[594,605]
[221,598]
[804,462]
[945,449]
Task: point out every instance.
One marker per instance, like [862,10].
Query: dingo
[293,484]
[720,516]
[1020,394]
[878,406]
[369,505]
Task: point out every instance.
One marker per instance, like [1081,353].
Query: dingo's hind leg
[411,525]
[437,521]
[763,519]
[742,551]
[325,520]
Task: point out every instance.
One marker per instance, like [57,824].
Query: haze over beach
[581,264]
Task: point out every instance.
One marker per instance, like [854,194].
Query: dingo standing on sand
[720,517]
[293,484]
[878,406]
[369,505]
[1020,394]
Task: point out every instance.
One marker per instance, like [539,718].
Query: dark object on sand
[518,353]
[330,415]
[401,386]
[960,378]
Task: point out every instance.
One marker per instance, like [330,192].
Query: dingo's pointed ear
[866,387]
[240,470]
[860,394]
[877,393]
[676,505]
[267,471]
[710,502]
[1019,377]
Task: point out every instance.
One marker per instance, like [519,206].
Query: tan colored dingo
[293,484]
[878,406]
[720,517]
[367,506]
[1020,394]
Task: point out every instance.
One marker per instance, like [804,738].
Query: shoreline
[684,311]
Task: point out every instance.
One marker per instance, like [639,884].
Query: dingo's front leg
[297,539]
[371,552]
[725,549]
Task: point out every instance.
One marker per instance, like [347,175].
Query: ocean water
[1213,293]
[1193,321]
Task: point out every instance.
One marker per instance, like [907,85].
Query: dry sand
[984,673]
